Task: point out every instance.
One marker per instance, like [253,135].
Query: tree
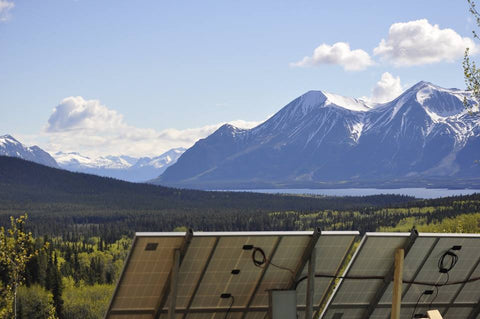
[54,283]
[470,70]
[35,303]
[16,250]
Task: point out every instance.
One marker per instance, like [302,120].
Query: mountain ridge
[9,146]
[425,132]
[122,167]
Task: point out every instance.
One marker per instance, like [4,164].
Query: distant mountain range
[121,167]
[9,146]
[424,137]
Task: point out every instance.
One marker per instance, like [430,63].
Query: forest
[74,275]
[80,227]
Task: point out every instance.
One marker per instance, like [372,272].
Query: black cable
[264,260]
[445,267]
[450,283]
[230,308]
[418,301]
[257,262]
[412,282]
[433,299]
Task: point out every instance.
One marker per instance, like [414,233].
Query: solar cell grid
[205,272]
[287,256]
[229,255]
[191,269]
[471,291]
[430,272]
[421,264]
[330,254]
[147,271]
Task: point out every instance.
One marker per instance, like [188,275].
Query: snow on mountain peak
[314,99]
[348,103]
[229,130]
[8,139]
[9,146]
[76,160]
[114,165]
[440,102]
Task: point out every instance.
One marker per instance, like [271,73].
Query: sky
[141,77]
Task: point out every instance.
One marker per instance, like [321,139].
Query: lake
[416,192]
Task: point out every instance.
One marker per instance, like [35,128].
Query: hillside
[28,182]
[57,200]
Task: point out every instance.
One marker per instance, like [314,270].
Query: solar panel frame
[245,311]
[437,243]
[177,239]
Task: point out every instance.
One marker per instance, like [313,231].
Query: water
[416,192]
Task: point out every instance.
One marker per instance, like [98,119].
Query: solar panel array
[206,272]
[214,263]
[372,298]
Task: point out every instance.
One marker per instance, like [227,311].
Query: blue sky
[145,76]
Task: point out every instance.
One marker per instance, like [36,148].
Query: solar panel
[214,263]
[366,290]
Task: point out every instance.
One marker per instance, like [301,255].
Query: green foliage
[35,303]
[78,276]
[87,302]
[16,250]
[464,223]
[470,70]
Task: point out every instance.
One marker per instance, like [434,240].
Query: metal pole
[397,283]
[173,284]
[310,285]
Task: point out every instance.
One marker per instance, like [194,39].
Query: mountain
[9,146]
[424,137]
[121,167]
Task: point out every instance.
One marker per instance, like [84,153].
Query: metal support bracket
[305,257]
[166,289]
[310,285]
[174,284]
[389,277]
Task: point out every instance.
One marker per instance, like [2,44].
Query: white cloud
[419,42]
[5,7]
[76,113]
[339,53]
[385,90]
[88,127]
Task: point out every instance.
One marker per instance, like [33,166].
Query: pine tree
[54,283]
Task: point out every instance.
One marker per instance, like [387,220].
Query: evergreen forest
[82,226]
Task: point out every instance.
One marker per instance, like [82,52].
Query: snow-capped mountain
[323,138]
[75,161]
[160,162]
[121,167]
[9,146]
